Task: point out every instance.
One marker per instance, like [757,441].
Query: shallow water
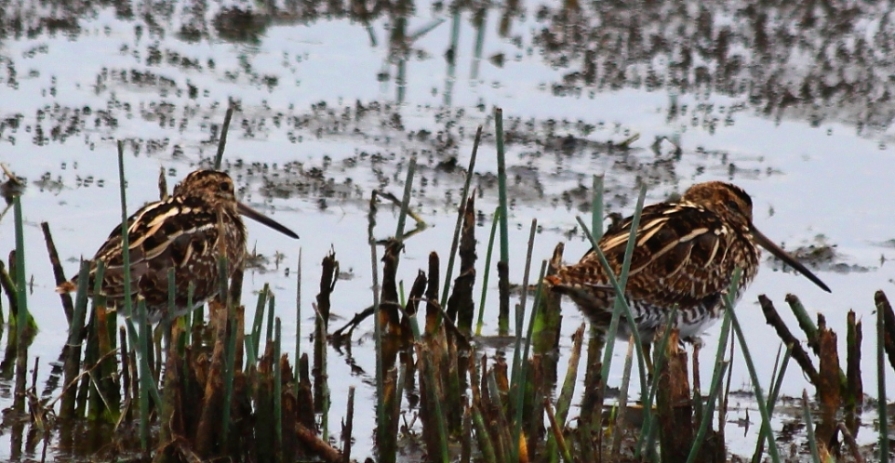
[794,111]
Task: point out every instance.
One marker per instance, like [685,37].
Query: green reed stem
[621,301]
[278,389]
[455,241]
[451,58]
[223,141]
[401,78]
[882,409]
[455,32]
[772,401]
[480,322]
[271,305]
[502,187]
[718,371]
[805,321]
[596,208]
[809,428]
[520,315]
[146,383]
[563,403]
[125,240]
[73,349]
[520,380]
[756,386]
[91,400]
[486,447]
[127,303]
[251,355]
[140,339]
[23,318]
[109,367]
[295,359]
[381,419]
[255,336]
[431,392]
[480,22]
[405,200]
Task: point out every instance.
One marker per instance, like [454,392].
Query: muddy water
[333,99]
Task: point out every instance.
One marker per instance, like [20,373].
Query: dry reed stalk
[58,273]
[328,278]
[674,405]
[208,431]
[263,401]
[289,412]
[388,301]
[305,397]
[798,352]
[829,386]
[433,312]
[889,325]
[503,288]
[854,384]
[461,307]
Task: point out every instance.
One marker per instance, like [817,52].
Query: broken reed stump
[828,388]
[433,310]
[208,432]
[835,389]
[674,404]
[388,299]
[490,407]
[549,315]
[461,306]
[854,401]
[589,422]
[328,277]
[547,326]
[882,303]
[503,287]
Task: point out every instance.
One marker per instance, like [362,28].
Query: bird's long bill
[259,217]
[785,257]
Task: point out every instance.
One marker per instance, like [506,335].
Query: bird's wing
[681,255]
[161,235]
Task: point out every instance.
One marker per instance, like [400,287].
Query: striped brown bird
[685,255]
[187,232]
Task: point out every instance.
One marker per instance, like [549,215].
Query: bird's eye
[732,205]
[225,187]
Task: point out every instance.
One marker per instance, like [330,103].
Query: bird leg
[696,348]
[647,347]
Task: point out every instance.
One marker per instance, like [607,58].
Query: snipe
[186,232]
[685,256]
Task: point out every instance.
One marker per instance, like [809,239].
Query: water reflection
[814,61]
[807,60]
